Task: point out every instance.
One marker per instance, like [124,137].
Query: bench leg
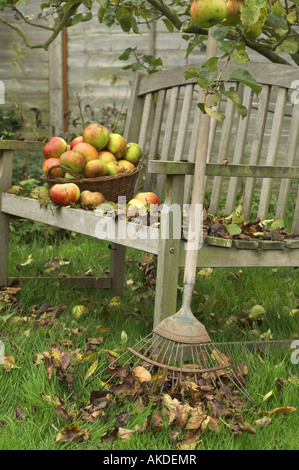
[6,157]
[169,251]
[117,268]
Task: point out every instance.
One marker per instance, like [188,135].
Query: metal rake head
[170,363]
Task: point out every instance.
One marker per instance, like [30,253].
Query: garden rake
[179,347]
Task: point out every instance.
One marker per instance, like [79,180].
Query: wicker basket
[111,187]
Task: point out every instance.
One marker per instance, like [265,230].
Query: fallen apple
[88,151]
[95,168]
[48,163]
[207,13]
[73,160]
[97,135]
[133,153]
[91,198]
[64,194]
[148,197]
[55,147]
[117,145]
[128,166]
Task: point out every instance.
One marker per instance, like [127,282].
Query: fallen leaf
[142,374]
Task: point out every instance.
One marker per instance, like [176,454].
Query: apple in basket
[133,153]
[88,151]
[95,168]
[73,160]
[106,156]
[91,198]
[48,163]
[117,145]
[64,194]
[128,166]
[114,168]
[97,135]
[76,141]
[55,147]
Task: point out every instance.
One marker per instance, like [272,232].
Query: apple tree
[268,27]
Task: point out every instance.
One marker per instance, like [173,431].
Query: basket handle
[68,169]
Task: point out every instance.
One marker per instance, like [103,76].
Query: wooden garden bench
[254,157]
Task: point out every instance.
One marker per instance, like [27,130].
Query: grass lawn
[37,402]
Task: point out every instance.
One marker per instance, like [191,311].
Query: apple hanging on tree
[207,13]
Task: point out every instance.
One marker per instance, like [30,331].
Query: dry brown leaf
[263,422]
[283,409]
[72,432]
[142,374]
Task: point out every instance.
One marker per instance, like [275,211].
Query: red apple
[88,151]
[91,198]
[76,141]
[64,194]
[106,156]
[233,11]
[95,168]
[148,197]
[114,168]
[73,160]
[48,163]
[133,153]
[117,145]
[55,147]
[97,135]
[128,166]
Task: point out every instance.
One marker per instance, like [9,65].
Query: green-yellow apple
[207,13]
[97,135]
[88,151]
[128,166]
[64,194]
[106,156]
[117,145]
[91,198]
[114,168]
[55,147]
[73,160]
[148,198]
[95,168]
[76,141]
[48,163]
[133,153]
[233,11]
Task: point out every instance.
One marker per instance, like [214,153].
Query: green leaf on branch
[219,32]
[250,11]
[206,74]
[211,112]
[240,57]
[289,45]
[243,76]
[234,97]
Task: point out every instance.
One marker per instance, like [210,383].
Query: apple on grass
[133,153]
[91,198]
[97,135]
[73,160]
[95,168]
[55,147]
[117,145]
[88,151]
[48,163]
[207,13]
[64,194]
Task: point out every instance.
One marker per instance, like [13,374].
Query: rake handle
[198,191]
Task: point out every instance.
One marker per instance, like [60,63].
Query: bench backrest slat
[267,136]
